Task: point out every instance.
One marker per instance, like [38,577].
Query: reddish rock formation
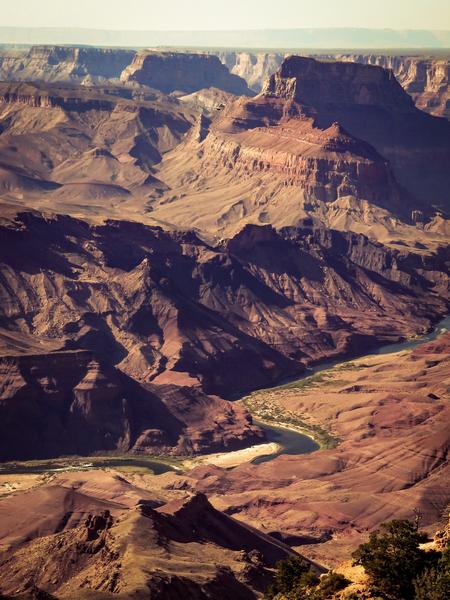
[182,72]
[317,84]
[384,117]
[67,403]
[340,142]
[370,104]
[169,308]
[425,78]
[185,548]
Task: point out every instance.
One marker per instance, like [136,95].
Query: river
[294,442]
[291,441]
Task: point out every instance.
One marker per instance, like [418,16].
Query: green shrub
[293,576]
[434,582]
[392,559]
[330,584]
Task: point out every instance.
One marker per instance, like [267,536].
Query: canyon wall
[83,66]
[339,142]
[182,72]
[70,403]
[166,307]
[426,79]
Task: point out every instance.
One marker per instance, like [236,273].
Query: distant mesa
[341,142]
[425,76]
[318,83]
[182,72]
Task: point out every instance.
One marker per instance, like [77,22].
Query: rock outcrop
[182,72]
[425,78]
[317,84]
[183,548]
[68,403]
[339,142]
[169,308]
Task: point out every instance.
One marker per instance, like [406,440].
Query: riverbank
[288,431]
[263,406]
[235,457]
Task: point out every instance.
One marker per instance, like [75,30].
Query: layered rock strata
[169,308]
[182,72]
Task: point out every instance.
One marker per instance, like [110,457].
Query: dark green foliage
[294,573]
[330,584]
[434,582]
[297,581]
[397,567]
[392,559]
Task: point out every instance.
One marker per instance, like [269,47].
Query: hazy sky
[226,14]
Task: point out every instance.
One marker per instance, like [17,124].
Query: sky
[225,14]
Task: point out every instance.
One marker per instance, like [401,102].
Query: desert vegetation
[396,564]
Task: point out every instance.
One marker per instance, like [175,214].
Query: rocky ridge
[182,547]
[69,403]
[169,308]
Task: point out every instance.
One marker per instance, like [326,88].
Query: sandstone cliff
[182,72]
[339,142]
[426,79]
[65,63]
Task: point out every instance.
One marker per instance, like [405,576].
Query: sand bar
[232,459]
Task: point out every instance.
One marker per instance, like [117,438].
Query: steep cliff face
[68,403]
[426,79]
[182,72]
[255,68]
[370,104]
[314,84]
[66,64]
[339,142]
[168,308]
